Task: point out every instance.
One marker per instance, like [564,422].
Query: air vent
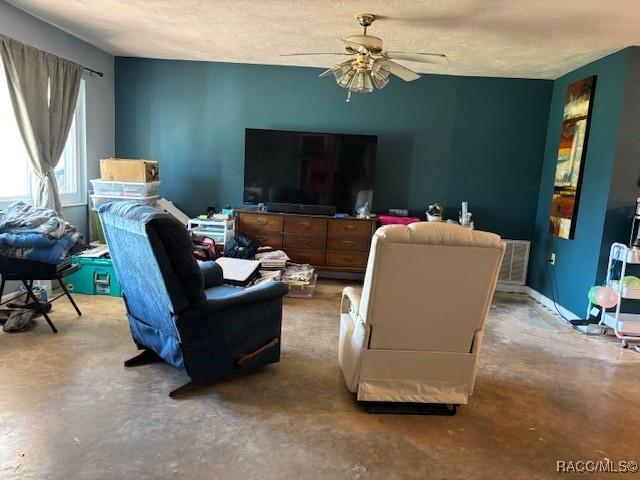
[514,266]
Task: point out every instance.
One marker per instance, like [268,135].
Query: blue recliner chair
[179,310]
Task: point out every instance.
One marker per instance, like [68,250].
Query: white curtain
[44,89]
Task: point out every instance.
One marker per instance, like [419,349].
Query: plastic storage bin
[95,277]
[297,290]
[99,200]
[125,189]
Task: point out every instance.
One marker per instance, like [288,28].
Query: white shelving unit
[221,231]
[626,326]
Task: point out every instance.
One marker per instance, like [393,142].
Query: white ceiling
[501,38]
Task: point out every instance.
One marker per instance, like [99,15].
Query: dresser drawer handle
[349,227]
[347,258]
[305,241]
[348,243]
[262,221]
[260,238]
[305,224]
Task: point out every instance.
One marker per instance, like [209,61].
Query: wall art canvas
[572,152]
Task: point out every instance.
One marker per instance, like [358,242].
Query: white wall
[100,103]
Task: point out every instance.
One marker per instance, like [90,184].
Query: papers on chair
[273,260]
[237,271]
[266,275]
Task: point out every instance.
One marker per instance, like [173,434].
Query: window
[17,180]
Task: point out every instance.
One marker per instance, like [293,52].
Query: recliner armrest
[212,272]
[353,298]
[237,298]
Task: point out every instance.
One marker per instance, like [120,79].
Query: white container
[220,230]
[627,324]
[99,200]
[125,189]
[298,290]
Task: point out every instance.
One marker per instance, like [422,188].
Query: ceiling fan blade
[423,57]
[403,72]
[313,53]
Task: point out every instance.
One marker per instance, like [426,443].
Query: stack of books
[274,260]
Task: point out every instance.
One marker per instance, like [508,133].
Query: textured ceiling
[502,38]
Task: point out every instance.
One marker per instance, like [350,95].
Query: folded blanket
[26,240]
[53,254]
[20,217]
[36,234]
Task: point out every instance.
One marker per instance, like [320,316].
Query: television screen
[309,168]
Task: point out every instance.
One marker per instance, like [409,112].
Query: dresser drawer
[265,239]
[307,242]
[260,223]
[349,227]
[352,259]
[348,244]
[314,257]
[312,226]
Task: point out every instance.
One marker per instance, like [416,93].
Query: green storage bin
[96,276]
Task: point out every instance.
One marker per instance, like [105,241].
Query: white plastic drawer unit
[221,231]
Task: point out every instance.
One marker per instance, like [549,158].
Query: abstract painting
[572,151]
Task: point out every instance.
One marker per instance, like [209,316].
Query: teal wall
[577,260]
[440,138]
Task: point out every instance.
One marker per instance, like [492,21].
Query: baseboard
[507,288]
[8,297]
[538,297]
[46,284]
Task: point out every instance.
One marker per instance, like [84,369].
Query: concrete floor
[69,409]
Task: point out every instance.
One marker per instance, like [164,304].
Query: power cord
[553,284]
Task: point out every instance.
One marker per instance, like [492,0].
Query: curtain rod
[90,70]
[95,72]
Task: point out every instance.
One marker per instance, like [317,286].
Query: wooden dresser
[328,243]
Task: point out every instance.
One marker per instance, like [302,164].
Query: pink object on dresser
[392,220]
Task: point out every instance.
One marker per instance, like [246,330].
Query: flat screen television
[303,169]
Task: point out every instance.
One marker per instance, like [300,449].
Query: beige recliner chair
[415,331]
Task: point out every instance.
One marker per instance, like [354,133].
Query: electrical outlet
[552,258]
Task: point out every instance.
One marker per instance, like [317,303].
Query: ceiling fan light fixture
[380,82]
[345,79]
[361,82]
[380,75]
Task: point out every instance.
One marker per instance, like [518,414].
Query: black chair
[27,272]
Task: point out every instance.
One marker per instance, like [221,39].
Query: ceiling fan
[369,65]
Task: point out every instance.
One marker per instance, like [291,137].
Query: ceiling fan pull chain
[348,100]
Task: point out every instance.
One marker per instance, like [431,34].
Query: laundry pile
[37,234]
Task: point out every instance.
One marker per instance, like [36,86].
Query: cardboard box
[126,170]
